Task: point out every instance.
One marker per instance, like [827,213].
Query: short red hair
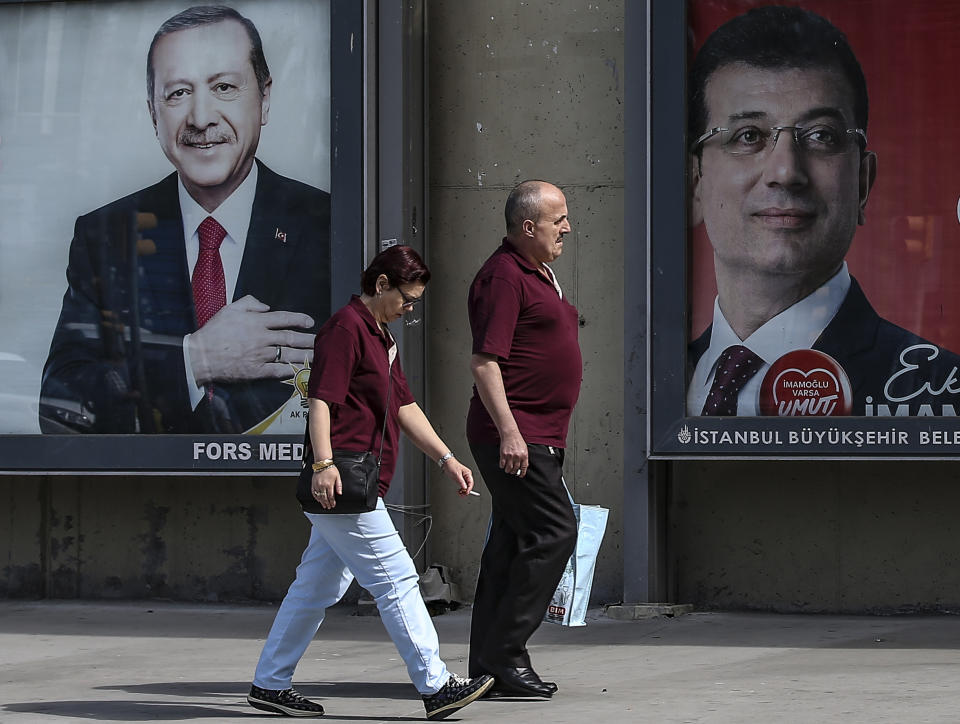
[400,264]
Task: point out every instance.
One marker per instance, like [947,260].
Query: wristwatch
[443,458]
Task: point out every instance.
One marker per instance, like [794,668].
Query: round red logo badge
[805,382]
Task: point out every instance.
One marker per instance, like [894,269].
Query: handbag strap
[386,409]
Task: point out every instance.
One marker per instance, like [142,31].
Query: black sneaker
[283,701]
[456,694]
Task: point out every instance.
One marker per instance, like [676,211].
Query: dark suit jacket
[116,359]
[869,348]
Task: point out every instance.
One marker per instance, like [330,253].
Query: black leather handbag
[359,474]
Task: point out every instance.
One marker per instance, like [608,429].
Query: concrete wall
[183,538]
[853,537]
[528,90]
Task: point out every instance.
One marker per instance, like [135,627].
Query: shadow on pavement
[319,690]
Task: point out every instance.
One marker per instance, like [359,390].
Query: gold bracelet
[322,465]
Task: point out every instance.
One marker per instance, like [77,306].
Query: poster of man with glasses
[783,176]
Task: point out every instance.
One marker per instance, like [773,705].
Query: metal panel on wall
[821,229]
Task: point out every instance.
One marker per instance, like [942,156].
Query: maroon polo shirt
[517,316]
[349,373]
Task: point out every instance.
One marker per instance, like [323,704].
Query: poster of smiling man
[173,162]
[822,213]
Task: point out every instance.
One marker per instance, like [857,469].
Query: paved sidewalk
[145,661]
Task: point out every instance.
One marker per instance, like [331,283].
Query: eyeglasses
[821,139]
[408,302]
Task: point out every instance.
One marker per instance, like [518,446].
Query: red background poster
[907,256]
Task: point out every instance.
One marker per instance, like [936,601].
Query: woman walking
[359,400]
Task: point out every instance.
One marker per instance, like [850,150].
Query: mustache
[201,138]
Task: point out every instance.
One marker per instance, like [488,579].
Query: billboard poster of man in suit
[824,248]
[191,303]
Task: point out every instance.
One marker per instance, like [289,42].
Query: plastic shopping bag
[569,604]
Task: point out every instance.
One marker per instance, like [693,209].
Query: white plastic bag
[569,604]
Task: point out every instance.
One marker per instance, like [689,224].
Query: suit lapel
[696,350]
[271,241]
[851,336]
[166,296]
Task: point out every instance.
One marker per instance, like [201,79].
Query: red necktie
[209,287]
[736,366]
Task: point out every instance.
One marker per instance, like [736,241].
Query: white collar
[796,327]
[233,214]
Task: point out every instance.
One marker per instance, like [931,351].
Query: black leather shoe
[496,692]
[519,681]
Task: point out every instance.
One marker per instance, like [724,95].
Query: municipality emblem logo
[684,435]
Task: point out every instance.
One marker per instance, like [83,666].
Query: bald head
[536,215]
[524,203]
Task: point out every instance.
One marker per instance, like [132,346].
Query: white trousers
[365,545]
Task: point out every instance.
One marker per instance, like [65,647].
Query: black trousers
[532,535]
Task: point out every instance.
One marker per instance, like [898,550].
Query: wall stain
[154,550]
[22,581]
[611,63]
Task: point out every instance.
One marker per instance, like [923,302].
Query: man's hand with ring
[247,341]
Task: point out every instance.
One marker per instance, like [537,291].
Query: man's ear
[695,174]
[153,115]
[528,227]
[265,102]
[868,174]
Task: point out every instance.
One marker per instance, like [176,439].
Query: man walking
[527,368]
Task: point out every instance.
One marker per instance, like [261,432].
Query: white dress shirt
[796,327]
[234,216]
